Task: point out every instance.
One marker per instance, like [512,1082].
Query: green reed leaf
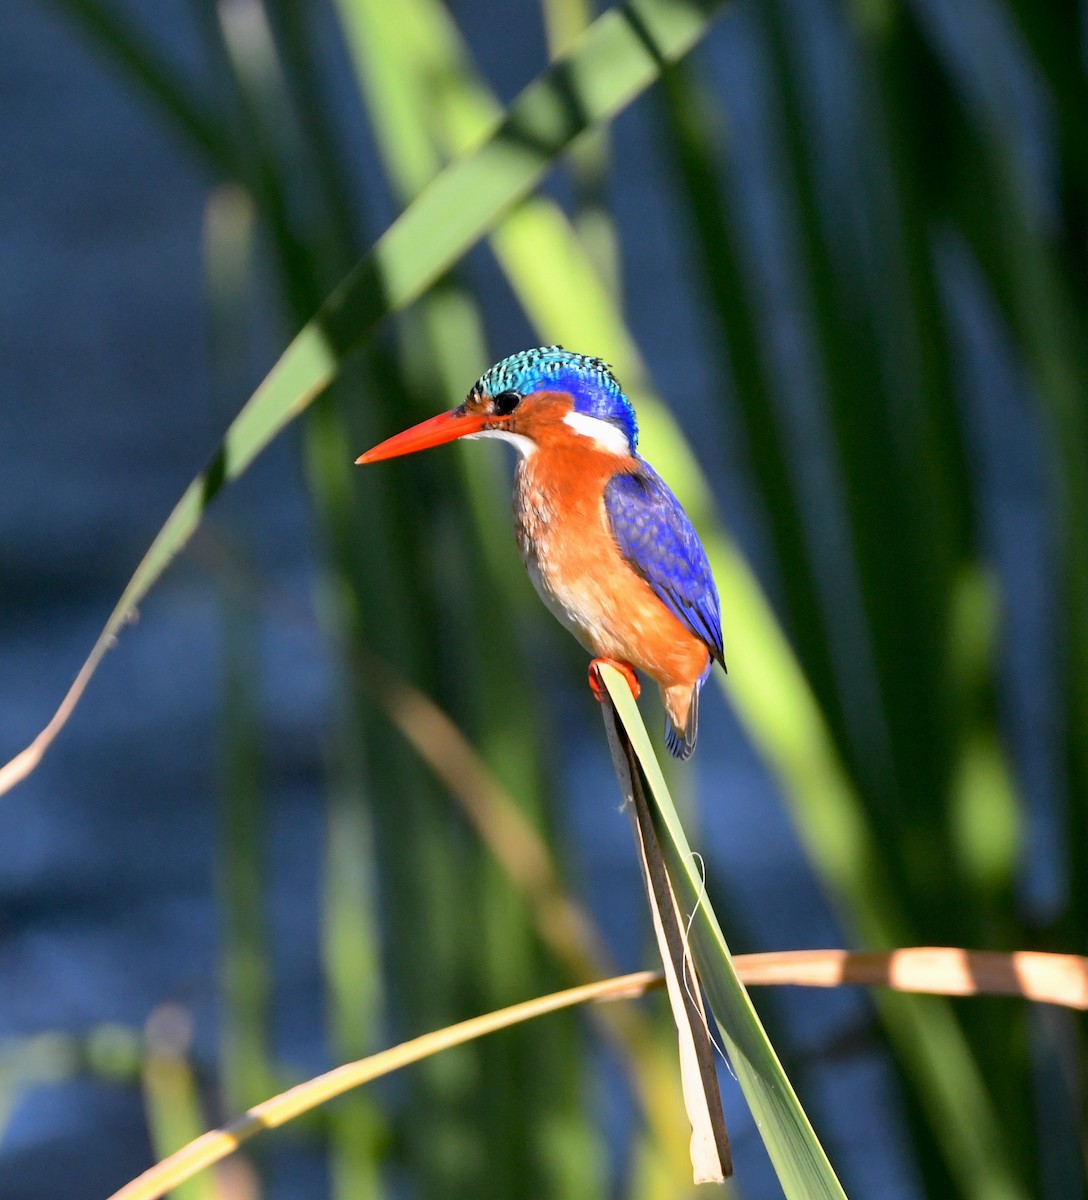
[802,1166]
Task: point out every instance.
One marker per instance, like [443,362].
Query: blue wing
[655,536]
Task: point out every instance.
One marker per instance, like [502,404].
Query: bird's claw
[596,684]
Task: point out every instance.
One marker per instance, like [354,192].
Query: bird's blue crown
[589,381]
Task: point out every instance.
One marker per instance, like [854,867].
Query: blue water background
[106,413]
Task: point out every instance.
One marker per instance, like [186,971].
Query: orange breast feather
[576,566]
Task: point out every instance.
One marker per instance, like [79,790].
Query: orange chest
[576,566]
[559,515]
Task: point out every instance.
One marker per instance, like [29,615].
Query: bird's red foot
[625,669]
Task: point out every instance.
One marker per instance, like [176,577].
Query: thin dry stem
[939,970]
[1049,978]
[211,1147]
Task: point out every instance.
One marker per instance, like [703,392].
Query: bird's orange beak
[446,427]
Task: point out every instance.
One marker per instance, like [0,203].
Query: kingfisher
[607,545]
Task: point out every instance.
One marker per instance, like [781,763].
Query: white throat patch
[523,445]
[603,434]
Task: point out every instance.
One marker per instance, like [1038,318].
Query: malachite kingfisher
[605,542]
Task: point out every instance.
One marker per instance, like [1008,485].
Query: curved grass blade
[1050,978]
[214,1146]
[618,58]
[802,1166]
[1053,978]
[1060,979]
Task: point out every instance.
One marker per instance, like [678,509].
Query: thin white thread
[688,962]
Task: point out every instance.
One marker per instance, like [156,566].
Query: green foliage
[799,1159]
[870,686]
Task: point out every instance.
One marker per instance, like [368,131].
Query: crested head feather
[593,388]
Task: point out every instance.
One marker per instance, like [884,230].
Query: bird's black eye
[506,402]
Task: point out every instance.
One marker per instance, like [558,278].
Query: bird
[607,545]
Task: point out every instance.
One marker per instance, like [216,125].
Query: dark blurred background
[848,242]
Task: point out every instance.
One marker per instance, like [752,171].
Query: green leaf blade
[795,1151]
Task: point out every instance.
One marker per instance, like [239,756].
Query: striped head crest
[589,381]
